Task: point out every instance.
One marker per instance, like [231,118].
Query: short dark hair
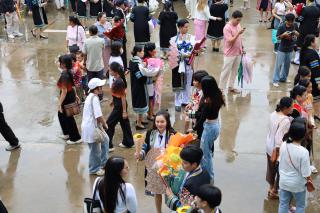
[93,30]
[191,154]
[182,22]
[290,17]
[237,14]
[211,194]
[100,14]
[116,19]
[140,1]
[284,103]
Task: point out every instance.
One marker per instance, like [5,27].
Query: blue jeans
[98,155]
[211,131]
[282,66]
[277,22]
[285,198]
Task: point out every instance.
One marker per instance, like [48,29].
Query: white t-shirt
[130,204]
[203,14]
[291,179]
[278,127]
[117,59]
[280,8]
[88,119]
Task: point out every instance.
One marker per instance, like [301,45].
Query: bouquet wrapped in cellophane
[169,163]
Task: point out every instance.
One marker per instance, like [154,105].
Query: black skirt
[39,16]
[81,9]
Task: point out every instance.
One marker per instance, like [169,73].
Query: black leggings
[7,132]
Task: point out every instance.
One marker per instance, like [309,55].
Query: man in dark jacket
[7,132]
[8,8]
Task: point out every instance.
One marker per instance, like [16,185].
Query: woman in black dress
[95,7]
[167,21]
[140,17]
[309,57]
[215,29]
[82,11]
[39,18]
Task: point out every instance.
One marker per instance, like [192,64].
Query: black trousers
[69,126]
[124,54]
[112,121]
[7,132]
[2,208]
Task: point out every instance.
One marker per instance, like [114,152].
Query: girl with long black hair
[309,57]
[114,194]
[67,96]
[213,101]
[156,141]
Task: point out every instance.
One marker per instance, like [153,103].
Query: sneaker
[64,137]
[18,34]
[275,84]
[288,81]
[100,172]
[11,36]
[313,169]
[69,142]
[275,52]
[10,148]
[112,149]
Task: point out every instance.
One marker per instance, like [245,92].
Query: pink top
[230,49]
[72,36]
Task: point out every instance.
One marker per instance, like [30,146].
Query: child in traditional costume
[181,48]
[182,189]
[155,143]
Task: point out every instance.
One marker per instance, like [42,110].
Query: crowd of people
[100,59]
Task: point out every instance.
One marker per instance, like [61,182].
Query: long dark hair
[112,183]
[211,92]
[303,71]
[297,130]
[75,20]
[166,116]
[307,43]
[116,48]
[297,91]
[116,67]
[66,60]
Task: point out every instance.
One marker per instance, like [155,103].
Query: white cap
[96,82]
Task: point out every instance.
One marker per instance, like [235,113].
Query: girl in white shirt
[114,194]
[202,16]
[115,56]
[278,127]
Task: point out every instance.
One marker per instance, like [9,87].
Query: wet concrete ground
[47,175]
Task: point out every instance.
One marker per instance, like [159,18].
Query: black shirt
[287,43]
[309,20]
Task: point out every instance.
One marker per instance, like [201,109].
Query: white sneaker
[288,81]
[18,34]
[10,148]
[64,137]
[313,169]
[100,172]
[69,142]
[275,84]
[112,149]
[11,36]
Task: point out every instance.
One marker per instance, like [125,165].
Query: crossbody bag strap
[95,188]
[92,111]
[275,133]
[77,34]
